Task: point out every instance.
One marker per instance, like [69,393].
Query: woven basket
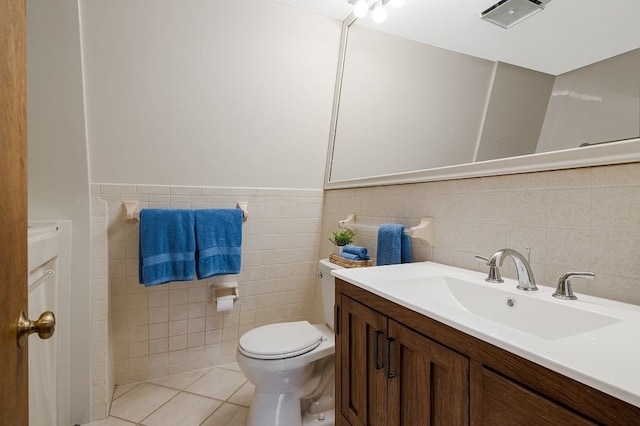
[346,263]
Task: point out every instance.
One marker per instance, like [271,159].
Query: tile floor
[218,396]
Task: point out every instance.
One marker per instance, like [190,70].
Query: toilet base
[326,418]
[274,409]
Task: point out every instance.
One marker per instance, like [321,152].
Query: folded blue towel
[218,241]
[394,246]
[357,250]
[351,256]
[167,246]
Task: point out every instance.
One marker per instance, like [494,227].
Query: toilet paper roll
[224,303]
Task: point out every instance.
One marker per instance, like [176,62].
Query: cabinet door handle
[376,362]
[387,355]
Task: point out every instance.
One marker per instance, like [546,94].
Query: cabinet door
[429,383]
[501,401]
[363,383]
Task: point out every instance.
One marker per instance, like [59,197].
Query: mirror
[409,111]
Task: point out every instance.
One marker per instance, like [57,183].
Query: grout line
[166,402]
[181,391]
[236,391]
[204,396]
[133,386]
[221,405]
[120,418]
[169,387]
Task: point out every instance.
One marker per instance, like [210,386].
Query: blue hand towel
[394,246]
[351,256]
[361,252]
[167,246]
[218,241]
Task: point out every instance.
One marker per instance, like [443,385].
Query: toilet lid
[282,340]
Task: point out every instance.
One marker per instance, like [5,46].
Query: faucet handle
[564,290]
[494,271]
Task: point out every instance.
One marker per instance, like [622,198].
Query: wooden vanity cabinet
[505,402]
[391,375]
[397,367]
[363,384]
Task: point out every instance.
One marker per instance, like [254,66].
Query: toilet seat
[279,341]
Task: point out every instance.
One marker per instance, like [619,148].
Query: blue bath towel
[167,246]
[218,242]
[360,252]
[394,246]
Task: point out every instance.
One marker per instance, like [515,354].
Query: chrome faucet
[564,290]
[526,281]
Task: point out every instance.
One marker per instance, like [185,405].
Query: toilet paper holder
[224,289]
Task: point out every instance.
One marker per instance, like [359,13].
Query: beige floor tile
[141,401]
[184,410]
[218,383]
[231,366]
[111,421]
[228,415]
[122,389]
[243,395]
[180,381]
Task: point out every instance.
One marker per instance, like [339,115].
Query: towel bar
[132,212]
[422,231]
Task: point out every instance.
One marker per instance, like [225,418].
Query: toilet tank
[328,288]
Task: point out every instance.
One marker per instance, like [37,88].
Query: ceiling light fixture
[361,8]
[378,13]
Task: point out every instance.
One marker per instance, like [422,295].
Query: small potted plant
[341,238]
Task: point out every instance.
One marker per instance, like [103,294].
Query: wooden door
[429,383]
[362,379]
[14,392]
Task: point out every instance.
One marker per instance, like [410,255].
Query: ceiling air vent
[507,13]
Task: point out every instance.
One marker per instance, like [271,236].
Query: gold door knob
[45,325]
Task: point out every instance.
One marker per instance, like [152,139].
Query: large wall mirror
[468,98]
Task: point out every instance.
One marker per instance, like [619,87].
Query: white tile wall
[171,328]
[581,219]
[102,377]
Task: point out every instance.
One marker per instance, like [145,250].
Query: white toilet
[291,365]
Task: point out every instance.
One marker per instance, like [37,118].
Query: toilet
[291,365]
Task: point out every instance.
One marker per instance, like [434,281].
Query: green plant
[342,237]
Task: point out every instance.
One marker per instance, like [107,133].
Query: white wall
[58,172]
[516,109]
[221,93]
[405,106]
[596,103]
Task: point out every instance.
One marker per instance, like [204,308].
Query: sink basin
[592,340]
[547,319]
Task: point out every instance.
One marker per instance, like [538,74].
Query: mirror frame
[627,151]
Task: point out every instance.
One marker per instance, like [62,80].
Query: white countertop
[606,358]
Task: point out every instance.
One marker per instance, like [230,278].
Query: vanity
[425,343]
